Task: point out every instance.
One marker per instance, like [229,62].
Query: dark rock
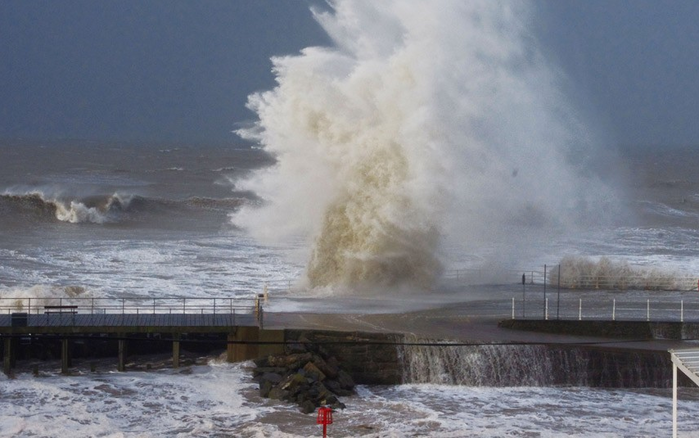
[277,393]
[319,367]
[257,372]
[338,405]
[345,380]
[265,388]
[344,392]
[290,361]
[261,362]
[292,381]
[296,348]
[330,367]
[332,385]
[329,400]
[308,407]
[271,377]
[313,372]
[319,392]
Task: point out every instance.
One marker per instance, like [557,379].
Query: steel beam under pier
[66,360]
[176,350]
[121,366]
[8,358]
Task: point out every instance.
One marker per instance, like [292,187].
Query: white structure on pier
[688,362]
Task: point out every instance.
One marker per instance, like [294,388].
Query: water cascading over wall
[534,365]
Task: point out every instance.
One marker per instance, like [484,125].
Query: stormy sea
[85,219]
[427,156]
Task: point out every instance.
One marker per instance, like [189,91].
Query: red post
[325,417]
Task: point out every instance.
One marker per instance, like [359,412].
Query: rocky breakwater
[306,375]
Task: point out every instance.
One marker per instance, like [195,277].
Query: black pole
[558,302]
[524,296]
[544,291]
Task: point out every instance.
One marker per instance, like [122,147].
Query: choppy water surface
[161,228]
[220,399]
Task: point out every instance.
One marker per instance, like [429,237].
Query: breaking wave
[21,299]
[424,121]
[604,273]
[102,209]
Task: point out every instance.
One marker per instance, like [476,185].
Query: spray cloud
[424,121]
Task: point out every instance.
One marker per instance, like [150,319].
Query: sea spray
[604,273]
[423,120]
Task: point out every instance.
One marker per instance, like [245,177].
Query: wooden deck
[118,322]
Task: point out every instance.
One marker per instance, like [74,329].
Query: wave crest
[604,273]
[96,210]
[105,209]
[40,295]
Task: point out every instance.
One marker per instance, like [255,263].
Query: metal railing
[606,309]
[132,305]
[132,311]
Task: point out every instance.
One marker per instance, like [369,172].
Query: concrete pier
[243,351]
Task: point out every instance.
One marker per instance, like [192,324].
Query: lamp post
[544,291]
[524,296]
[558,301]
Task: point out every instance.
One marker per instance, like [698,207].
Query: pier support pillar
[230,348]
[241,351]
[176,350]
[121,366]
[8,357]
[66,361]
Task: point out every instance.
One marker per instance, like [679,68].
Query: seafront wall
[643,330]
[388,358]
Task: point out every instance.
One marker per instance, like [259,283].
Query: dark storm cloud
[636,63]
[167,70]
[182,70]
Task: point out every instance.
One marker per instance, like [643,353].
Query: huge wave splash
[423,121]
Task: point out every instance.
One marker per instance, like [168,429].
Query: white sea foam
[424,121]
[197,267]
[221,399]
[210,401]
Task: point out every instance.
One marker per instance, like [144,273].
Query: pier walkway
[109,323]
[237,320]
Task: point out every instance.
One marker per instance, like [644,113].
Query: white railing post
[648,310]
[681,310]
[614,309]
[513,307]
[580,310]
[674,399]
[546,313]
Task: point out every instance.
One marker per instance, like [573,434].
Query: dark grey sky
[182,70]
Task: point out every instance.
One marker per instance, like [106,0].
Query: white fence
[608,310]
